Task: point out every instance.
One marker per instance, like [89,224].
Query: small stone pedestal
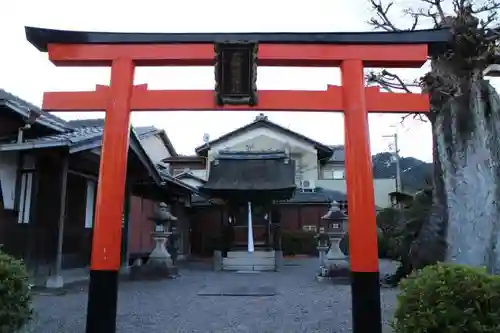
[54,282]
[335,258]
[323,270]
[160,255]
[217,260]
[278,260]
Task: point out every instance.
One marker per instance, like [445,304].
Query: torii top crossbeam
[376,49]
[277,49]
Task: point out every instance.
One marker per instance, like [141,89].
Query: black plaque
[236,73]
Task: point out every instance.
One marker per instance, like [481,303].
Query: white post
[250,229]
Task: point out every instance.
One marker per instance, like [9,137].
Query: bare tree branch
[476,44]
[417,116]
[382,21]
[468,9]
[437,5]
[425,13]
[489,6]
[390,82]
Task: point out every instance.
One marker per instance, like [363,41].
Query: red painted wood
[203,100]
[363,247]
[289,55]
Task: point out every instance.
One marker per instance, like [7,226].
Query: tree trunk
[467,175]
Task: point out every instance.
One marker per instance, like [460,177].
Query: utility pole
[394,137]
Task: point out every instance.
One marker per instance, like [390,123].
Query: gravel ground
[300,305]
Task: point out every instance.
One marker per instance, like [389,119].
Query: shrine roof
[435,38]
[251,173]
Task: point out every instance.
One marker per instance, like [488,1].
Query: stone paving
[301,304]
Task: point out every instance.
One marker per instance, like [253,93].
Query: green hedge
[298,242]
[447,298]
[293,242]
[15,295]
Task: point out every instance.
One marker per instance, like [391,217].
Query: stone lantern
[163,230]
[160,263]
[335,224]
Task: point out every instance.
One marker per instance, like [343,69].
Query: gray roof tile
[86,122]
[338,153]
[25,107]
[75,136]
[320,196]
[99,122]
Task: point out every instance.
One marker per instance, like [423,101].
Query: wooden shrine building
[248,184]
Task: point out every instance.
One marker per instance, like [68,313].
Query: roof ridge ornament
[261,116]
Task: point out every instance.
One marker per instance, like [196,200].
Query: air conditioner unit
[307,186]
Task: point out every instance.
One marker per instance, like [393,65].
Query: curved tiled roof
[23,108]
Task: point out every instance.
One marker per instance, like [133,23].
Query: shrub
[387,229]
[383,246]
[387,220]
[298,242]
[15,295]
[388,247]
[446,298]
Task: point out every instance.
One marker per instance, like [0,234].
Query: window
[25,197]
[89,204]
[328,173]
[338,174]
[335,226]
[309,228]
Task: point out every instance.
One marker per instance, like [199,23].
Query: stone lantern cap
[334,213]
[163,213]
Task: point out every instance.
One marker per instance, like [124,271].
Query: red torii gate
[124,51]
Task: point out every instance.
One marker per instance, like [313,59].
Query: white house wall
[8,177]
[306,167]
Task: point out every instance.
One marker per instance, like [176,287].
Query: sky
[27,73]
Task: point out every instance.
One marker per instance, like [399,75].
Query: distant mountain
[414,172]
